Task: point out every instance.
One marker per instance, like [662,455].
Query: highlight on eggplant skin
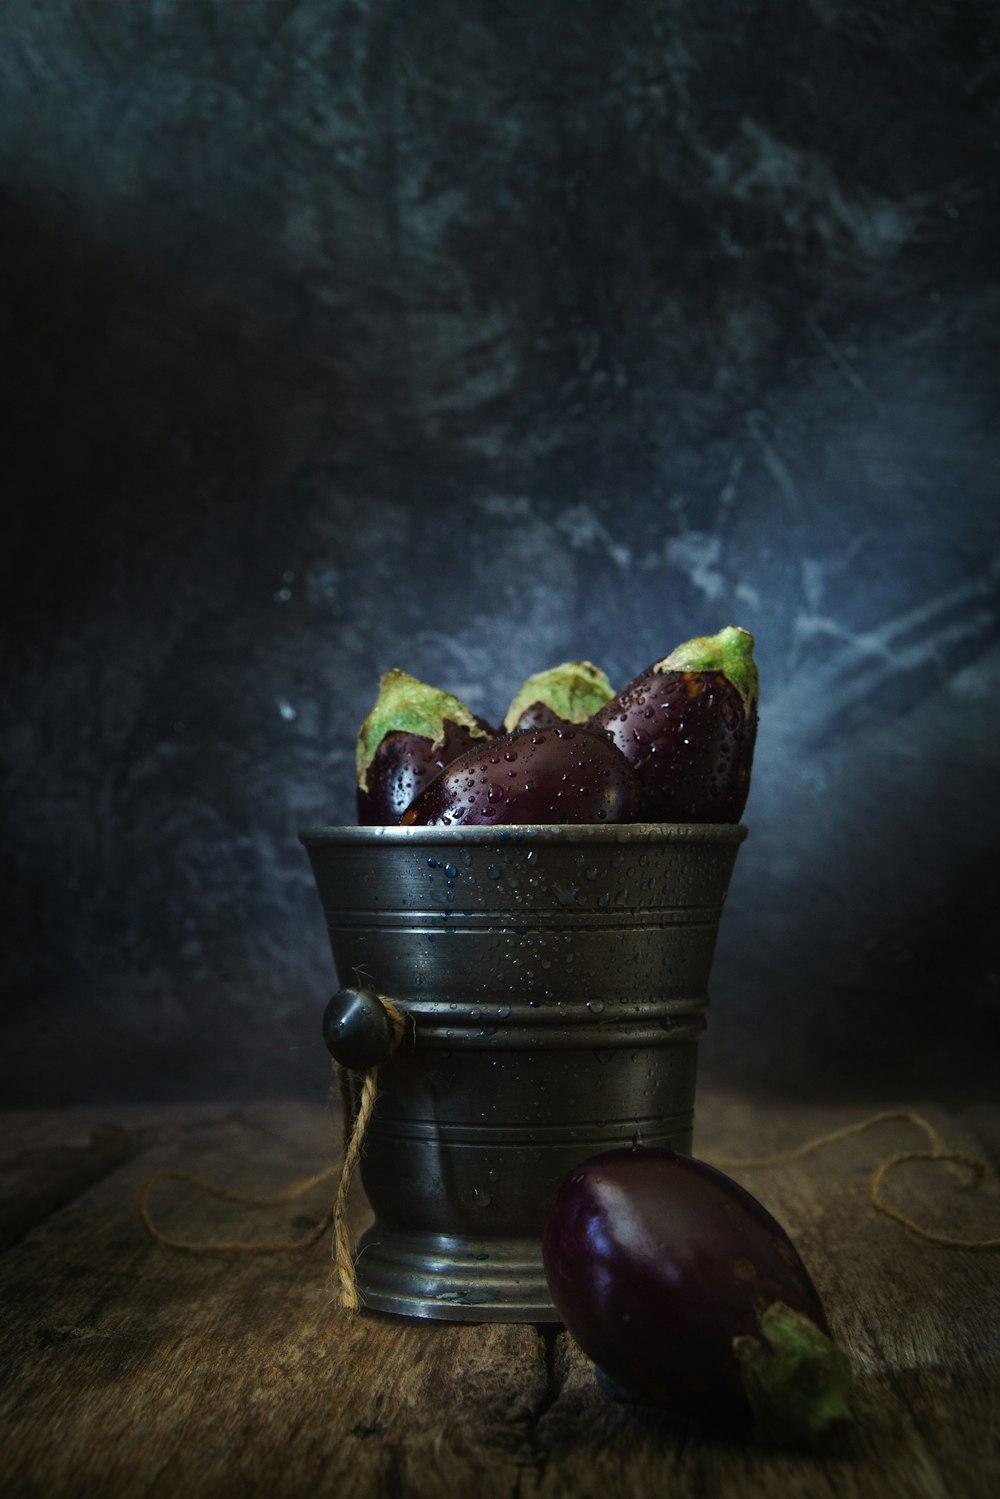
[688,727]
[564,774]
[539,715]
[690,740]
[688,1295]
[412,732]
[403,765]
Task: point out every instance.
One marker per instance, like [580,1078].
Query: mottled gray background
[466,338]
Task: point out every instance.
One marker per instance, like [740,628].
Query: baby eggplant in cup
[563,774]
[564,694]
[411,733]
[687,1294]
[687,726]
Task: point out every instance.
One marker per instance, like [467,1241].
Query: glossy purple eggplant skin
[556,775]
[404,764]
[655,1262]
[540,716]
[690,739]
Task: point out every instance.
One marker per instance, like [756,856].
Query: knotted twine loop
[358,1106]
[952,1160]
[354,1140]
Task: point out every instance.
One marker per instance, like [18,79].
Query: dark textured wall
[467,338]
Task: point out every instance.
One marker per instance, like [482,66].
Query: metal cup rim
[483,837]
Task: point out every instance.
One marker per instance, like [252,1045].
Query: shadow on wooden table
[130,1369]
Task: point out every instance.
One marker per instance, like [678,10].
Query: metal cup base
[453,1279]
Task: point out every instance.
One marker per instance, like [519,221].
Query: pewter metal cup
[556,979]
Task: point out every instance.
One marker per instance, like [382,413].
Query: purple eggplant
[688,1294]
[411,734]
[555,775]
[687,725]
[565,694]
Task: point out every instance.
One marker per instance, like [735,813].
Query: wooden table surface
[132,1369]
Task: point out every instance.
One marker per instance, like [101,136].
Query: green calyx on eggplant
[687,726]
[562,774]
[412,732]
[565,694]
[795,1378]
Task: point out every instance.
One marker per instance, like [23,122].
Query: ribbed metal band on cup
[556,1027]
[429,923]
[453,1279]
[586,1138]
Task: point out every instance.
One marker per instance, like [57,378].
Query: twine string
[977,1168]
[246,1199]
[967,1170]
[358,1093]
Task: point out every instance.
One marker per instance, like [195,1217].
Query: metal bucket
[557,982]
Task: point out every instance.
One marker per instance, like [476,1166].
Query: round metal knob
[357,1029]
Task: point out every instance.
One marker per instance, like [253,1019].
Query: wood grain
[132,1369]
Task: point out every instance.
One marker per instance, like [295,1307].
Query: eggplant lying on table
[690,1296]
